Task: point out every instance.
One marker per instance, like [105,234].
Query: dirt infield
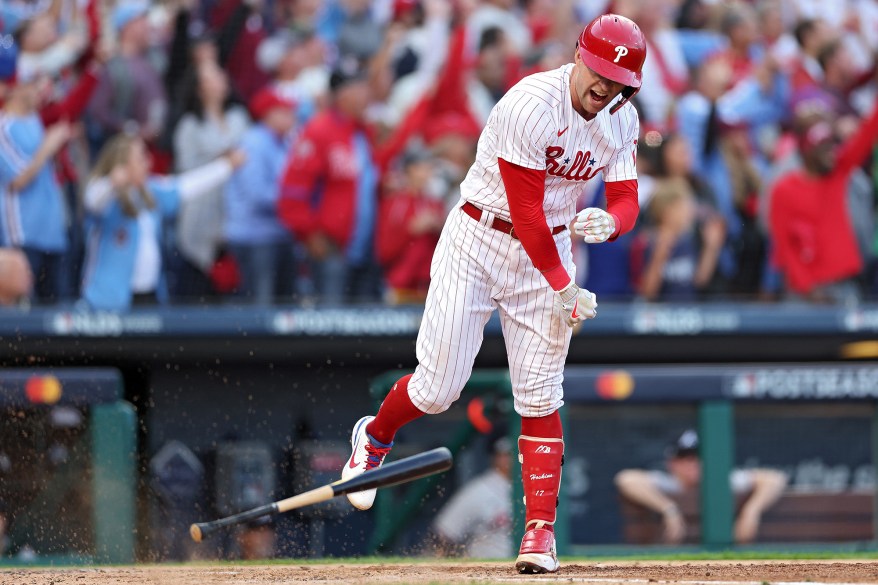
[605,573]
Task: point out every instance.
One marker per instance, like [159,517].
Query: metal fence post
[716,436]
[113,435]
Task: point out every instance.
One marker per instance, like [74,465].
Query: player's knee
[433,399]
[432,404]
[536,404]
[430,394]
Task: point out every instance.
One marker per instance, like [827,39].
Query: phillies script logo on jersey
[343,163]
[580,168]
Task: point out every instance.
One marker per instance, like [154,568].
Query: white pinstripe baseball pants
[475,270]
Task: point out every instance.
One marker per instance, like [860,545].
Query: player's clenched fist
[577,304]
[594,224]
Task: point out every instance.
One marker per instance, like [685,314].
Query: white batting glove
[594,225]
[577,304]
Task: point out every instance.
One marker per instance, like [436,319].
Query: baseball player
[505,246]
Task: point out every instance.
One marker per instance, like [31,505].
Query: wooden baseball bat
[396,472]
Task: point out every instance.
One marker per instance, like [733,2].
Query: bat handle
[200,530]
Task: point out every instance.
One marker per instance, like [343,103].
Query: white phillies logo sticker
[621,51]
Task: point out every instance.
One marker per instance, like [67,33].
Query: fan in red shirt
[409,222]
[815,244]
[329,191]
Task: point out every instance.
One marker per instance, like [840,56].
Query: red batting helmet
[613,46]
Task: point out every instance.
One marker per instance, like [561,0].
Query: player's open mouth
[596,97]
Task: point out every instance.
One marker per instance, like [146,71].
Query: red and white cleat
[366,454]
[537,552]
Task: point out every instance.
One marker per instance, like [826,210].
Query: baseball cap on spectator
[271,50]
[812,100]
[457,123]
[731,18]
[402,8]
[415,154]
[686,445]
[126,12]
[814,135]
[347,70]
[265,100]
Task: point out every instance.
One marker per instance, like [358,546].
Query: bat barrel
[396,472]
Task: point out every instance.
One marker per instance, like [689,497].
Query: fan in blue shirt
[126,208]
[32,211]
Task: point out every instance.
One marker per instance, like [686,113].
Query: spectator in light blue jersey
[126,207]
[261,246]
[32,211]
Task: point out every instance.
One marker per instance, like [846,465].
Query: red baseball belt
[498,224]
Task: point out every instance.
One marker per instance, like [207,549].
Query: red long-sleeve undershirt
[623,204]
[525,191]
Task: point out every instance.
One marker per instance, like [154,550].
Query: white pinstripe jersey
[535,126]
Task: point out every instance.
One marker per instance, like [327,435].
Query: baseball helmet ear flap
[626,94]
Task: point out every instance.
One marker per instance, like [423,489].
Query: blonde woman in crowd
[126,206]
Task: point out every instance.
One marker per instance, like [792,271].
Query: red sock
[541,447]
[396,411]
[548,426]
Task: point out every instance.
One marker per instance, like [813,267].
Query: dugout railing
[109,442]
[714,391]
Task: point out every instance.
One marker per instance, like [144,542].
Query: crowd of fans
[289,150]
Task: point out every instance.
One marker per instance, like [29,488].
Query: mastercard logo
[614,385]
[43,390]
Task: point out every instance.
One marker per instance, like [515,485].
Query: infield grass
[868,551]
[727,555]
